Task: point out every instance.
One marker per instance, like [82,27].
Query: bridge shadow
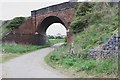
[45,25]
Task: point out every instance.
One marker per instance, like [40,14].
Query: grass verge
[13,50]
[80,66]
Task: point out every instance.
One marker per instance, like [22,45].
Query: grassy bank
[13,50]
[80,66]
[8,25]
[100,27]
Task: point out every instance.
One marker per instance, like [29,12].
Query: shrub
[51,37]
[78,25]
[15,23]
[81,20]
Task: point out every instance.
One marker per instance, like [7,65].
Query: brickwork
[23,35]
[38,23]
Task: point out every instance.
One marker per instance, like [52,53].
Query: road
[31,65]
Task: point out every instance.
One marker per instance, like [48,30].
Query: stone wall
[108,50]
[103,54]
[113,43]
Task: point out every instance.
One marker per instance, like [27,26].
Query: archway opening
[43,28]
[56,33]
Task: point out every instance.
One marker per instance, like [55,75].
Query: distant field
[55,41]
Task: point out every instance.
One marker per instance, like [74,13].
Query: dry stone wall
[108,50]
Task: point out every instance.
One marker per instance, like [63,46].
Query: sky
[56,28]
[16,8]
[12,9]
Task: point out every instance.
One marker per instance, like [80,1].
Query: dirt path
[31,65]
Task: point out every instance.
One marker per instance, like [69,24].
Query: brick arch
[33,30]
[43,25]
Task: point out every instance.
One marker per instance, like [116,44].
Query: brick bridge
[33,31]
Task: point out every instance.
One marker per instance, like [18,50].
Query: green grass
[0,31]
[12,50]
[84,41]
[19,48]
[61,60]
[91,35]
[55,41]
[3,30]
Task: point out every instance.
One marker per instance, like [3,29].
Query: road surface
[31,65]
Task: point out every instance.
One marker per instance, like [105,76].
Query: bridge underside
[42,27]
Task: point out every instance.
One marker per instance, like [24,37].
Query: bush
[59,37]
[15,23]
[81,20]
[51,37]
[92,13]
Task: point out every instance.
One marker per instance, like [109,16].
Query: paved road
[0,71]
[31,65]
